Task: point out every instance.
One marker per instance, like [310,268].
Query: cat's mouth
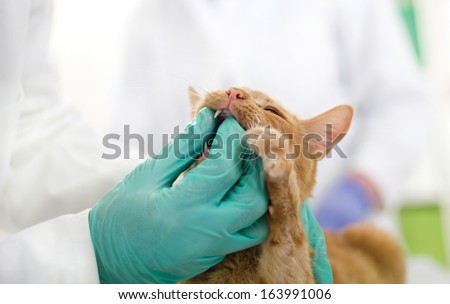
[220,115]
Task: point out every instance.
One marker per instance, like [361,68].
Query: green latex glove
[321,265]
[147,230]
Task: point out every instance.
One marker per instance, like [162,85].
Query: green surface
[423,232]
[421,225]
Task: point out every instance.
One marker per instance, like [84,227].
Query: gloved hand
[349,202]
[146,230]
[321,265]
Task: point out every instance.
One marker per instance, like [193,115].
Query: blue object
[347,203]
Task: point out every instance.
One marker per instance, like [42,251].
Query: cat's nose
[234,93]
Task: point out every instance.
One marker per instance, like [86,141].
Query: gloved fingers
[248,200]
[251,236]
[258,232]
[216,175]
[164,168]
[204,263]
[179,272]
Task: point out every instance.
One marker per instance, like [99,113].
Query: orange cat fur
[359,254]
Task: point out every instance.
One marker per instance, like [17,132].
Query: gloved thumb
[177,156]
[217,174]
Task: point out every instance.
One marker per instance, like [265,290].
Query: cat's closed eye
[272,110]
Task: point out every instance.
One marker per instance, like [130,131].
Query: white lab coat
[310,55]
[50,159]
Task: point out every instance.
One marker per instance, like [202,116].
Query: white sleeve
[384,79]
[9,116]
[55,251]
[14,16]
[13,35]
[50,159]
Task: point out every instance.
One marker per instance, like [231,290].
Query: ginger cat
[359,254]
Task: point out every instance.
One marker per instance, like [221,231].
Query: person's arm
[13,35]
[51,160]
[56,251]
[382,76]
[384,79]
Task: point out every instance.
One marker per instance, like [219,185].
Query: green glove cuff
[321,265]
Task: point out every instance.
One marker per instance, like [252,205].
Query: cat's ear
[194,99]
[325,130]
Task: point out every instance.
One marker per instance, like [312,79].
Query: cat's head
[313,137]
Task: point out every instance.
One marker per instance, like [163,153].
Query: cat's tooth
[217,113]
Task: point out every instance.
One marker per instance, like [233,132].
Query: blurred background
[90,43]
